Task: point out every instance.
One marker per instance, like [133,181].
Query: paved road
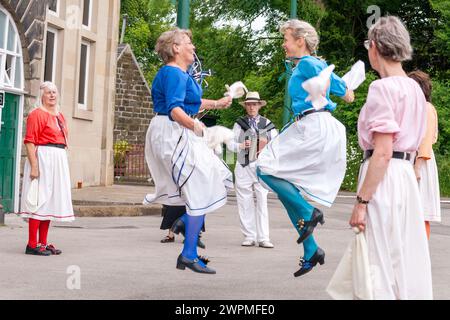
[121,258]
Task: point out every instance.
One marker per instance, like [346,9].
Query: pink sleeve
[379,116]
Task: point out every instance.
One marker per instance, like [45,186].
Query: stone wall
[29,16]
[134,108]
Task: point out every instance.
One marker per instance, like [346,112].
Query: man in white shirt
[252,132]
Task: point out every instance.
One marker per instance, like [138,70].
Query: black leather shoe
[307,265]
[38,251]
[178,226]
[200,243]
[308,226]
[52,249]
[183,262]
[167,239]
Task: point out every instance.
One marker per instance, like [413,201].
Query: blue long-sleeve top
[307,68]
[173,87]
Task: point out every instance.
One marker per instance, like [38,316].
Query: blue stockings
[193,227]
[296,207]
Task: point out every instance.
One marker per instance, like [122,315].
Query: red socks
[33,227]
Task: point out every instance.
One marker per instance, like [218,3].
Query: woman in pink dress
[391,126]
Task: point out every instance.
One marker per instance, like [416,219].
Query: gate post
[2,215]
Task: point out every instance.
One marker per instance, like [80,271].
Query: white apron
[184,169]
[396,239]
[311,154]
[429,190]
[54,195]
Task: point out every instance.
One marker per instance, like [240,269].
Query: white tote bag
[32,199]
[352,279]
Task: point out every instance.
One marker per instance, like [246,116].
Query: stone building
[133,112]
[72,43]
[134,108]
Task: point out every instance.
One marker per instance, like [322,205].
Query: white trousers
[254,219]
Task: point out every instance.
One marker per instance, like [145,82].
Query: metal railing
[132,167]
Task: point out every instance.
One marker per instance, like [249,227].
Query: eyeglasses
[367,44]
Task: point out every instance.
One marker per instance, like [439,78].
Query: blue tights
[296,207]
[193,225]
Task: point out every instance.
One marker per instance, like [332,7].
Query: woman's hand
[358,218]
[224,102]
[419,163]
[349,96]
[199,127]
[34,174]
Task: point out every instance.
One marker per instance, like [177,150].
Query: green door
[8,133]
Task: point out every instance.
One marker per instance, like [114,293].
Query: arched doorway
[11,110]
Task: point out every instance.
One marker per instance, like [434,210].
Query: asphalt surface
[122,258]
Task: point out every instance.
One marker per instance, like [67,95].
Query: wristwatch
[360,200]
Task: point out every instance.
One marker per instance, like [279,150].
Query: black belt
[56,145]
[165,114]
[305,113]
[396,154]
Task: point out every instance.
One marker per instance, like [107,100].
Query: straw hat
[253,97]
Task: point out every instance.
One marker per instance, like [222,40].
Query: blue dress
[172,87]
[307,68]
[185,171]
[311,152]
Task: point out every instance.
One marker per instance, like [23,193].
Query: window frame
[56,13]
[84,106]
[89,25]
[55,52]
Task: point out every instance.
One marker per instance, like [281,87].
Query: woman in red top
[46,142]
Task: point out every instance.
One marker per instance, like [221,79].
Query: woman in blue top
[185,171]
[308,158]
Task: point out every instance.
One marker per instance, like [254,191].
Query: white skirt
[54,197]
[399,258]
[429,190]
[311,154]
[185,171]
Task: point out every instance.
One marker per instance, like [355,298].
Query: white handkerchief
[355,76]
[217,135]
[236,90]
[316,87]
[32,199]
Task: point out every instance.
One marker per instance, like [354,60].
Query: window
[53,6]
[87,13]
[11,69]
[50,55]
[84,72]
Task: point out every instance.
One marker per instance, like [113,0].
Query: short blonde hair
[302,29]
[391,38]
[165,42]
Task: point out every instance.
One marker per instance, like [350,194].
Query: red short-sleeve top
[44,128]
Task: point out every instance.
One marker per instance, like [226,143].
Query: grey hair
[47,85]
[302,29]
[165,42]
[391,38]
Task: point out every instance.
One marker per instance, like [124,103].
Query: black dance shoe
[307,265]
[53,250]
[308,226]
[38,251]
[183,262]
[200,243]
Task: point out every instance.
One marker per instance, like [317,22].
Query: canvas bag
[352,278]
